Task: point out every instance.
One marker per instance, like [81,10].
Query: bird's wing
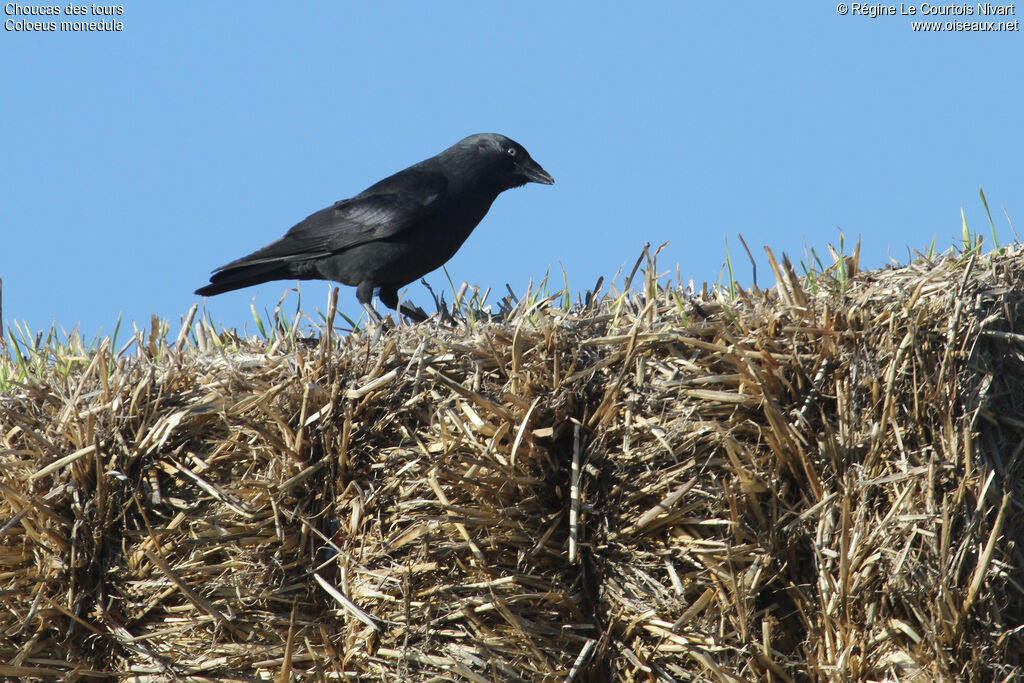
[384,211]
[391,206]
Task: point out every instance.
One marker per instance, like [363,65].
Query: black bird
[393,232]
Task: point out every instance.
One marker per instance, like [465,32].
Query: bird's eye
[511,151]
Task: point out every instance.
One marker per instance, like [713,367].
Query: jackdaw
[396,231]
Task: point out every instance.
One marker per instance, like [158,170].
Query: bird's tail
[244,275]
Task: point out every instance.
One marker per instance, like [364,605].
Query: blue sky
[137,161]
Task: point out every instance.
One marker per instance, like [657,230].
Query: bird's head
[507,162]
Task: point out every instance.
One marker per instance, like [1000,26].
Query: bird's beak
[533,173]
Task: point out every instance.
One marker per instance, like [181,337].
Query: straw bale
[813,482]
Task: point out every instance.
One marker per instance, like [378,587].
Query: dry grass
[800,485]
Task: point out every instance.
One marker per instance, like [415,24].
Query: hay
[803,485]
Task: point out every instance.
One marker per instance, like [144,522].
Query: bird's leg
[364,294]
[378,322]
[389,297]
[374,315]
